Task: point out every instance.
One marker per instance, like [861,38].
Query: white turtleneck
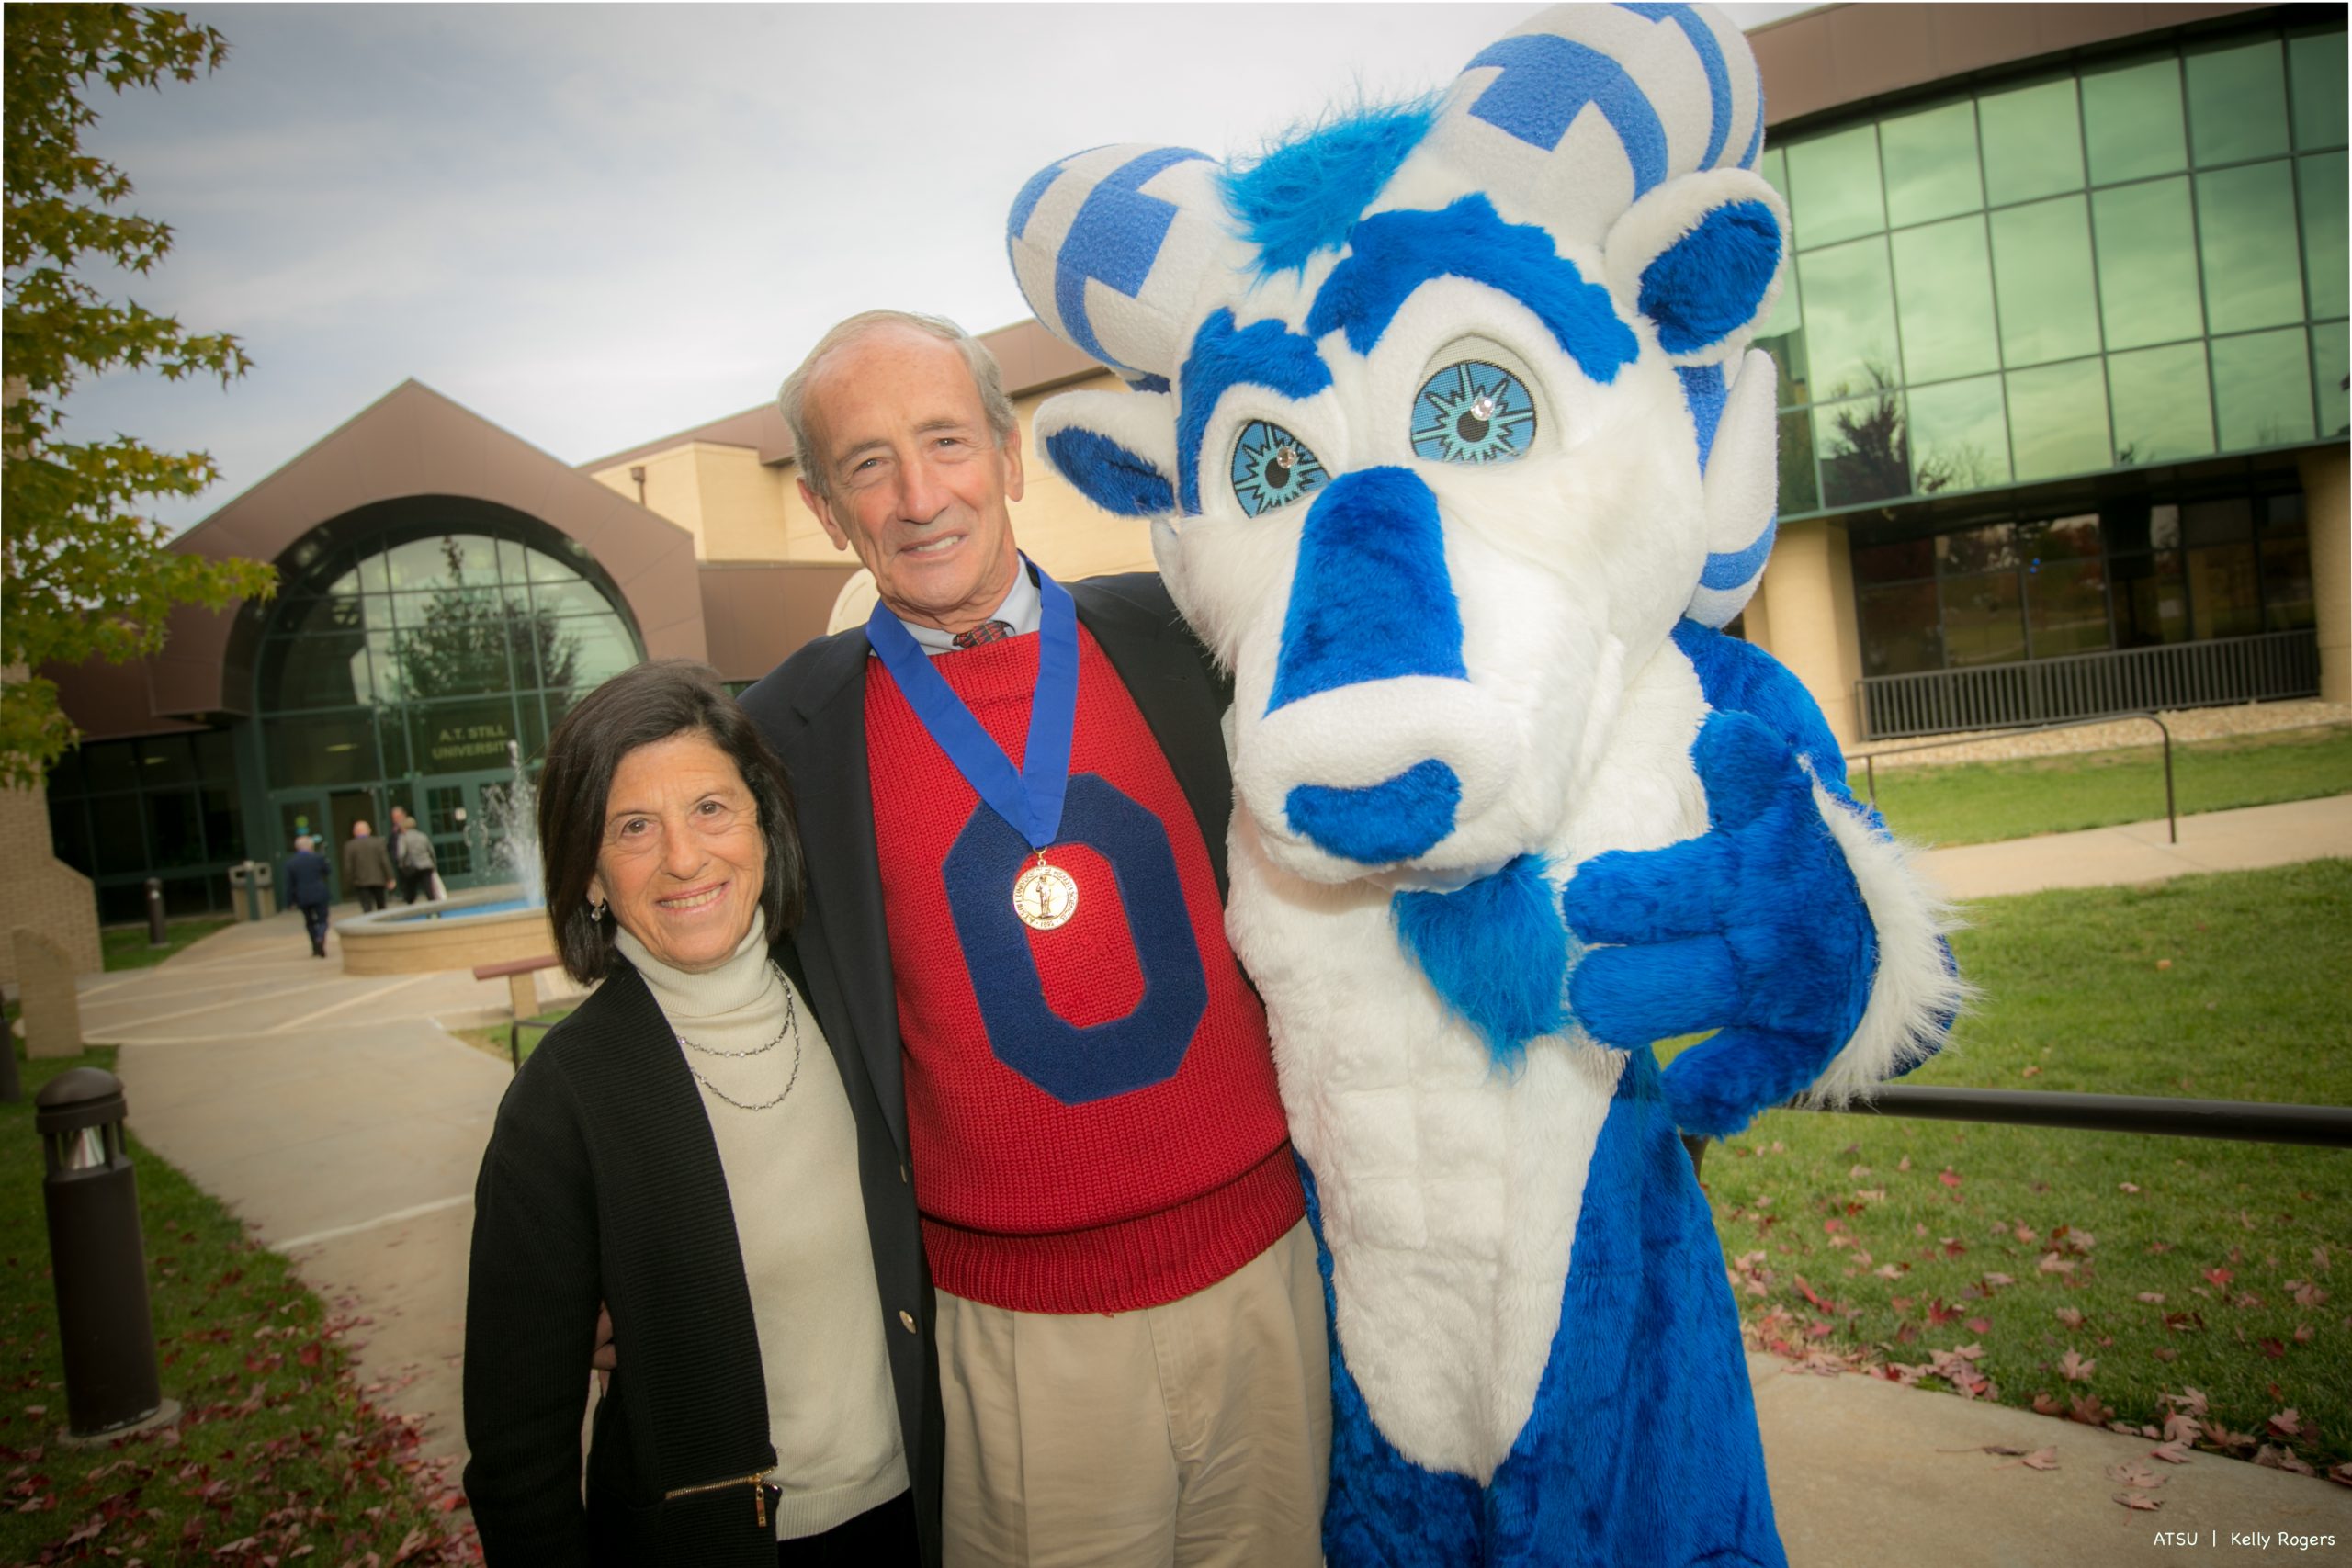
[800,1222]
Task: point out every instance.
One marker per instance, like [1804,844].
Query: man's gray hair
[791,398]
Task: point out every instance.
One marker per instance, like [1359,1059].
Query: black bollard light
[98,1255]
[155,937]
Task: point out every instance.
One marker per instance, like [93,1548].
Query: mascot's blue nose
[1370,598]
[1397,820]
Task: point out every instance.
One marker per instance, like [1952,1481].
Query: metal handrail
[2172,814]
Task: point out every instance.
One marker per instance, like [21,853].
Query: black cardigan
[602,1183]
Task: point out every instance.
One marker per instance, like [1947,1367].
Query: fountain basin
[482,925]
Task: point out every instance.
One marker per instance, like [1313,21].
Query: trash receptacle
[99,1259]
[241,906]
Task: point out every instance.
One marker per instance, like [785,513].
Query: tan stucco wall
[38,889]
[2325,505]
[1808,600]
[733,503]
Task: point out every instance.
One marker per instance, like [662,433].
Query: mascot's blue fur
[1458,456]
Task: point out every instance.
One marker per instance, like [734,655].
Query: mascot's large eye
[1272,467]
[1473,413]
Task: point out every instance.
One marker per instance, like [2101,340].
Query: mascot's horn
[1571,120]
[1114,248]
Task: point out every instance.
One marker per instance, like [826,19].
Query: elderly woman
[682,1150]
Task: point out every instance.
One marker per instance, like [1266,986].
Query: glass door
[450,809]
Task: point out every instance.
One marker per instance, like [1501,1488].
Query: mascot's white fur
[1459,458]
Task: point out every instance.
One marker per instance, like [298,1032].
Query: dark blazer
[602,1183]
[306,879]
[812,710]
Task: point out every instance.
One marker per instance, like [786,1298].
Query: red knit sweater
[1092,1109]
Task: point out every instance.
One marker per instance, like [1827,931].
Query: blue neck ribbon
[1029,798]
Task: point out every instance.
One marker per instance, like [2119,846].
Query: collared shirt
[1022,610]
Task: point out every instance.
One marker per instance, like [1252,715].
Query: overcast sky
[595,225]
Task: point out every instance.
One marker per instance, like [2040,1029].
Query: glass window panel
[461,738]
[2283,515]
[534,730]
[307,617]
[2147,264]
[512,566]
[314,672]
[2059,539]
[572,598]
[2151,599]
[175,827]
[392,735]
[1943,289]
[2033,144]
[1968,550]
[582,653]
[1897,562]
[166,759]
[571,561]
[2137,525]
[114,829]
[375,573]
[442,805]
[442,559]
[1774,167]
[1984,619]
[109,765]
[1850,324]
[65,777]
[2058,420]
[1959,438]
[321,749]
[2132,121]
[2042,267]
[1900,635]
[2162,407]
[2224,522]
[2328,369]
[1864,454]
[2316,66]
[1834,188]
[2066,607]
[462,654]
[1930,159]
[224,826]
[2286,584]
[2245,222]
[2322,180]
[1798,491]
[216,757]
[2222,598]
[1789,365]
[2237,102]
[69,834]
[2262,390]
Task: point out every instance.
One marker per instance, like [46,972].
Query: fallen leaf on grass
[1948,1178]
[2140,1500]
[2045,1404]
[2287,1425]
[2282,1458]
[2030,1072]
[2154,1298]
[2071,1316]
[2342,1473]
[2127,1187]
[2087,1408]
[2218,1275]
[2310,1296]
[2075,1368]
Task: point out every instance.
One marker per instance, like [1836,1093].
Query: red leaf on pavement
[2135,1475]
[2282,1458]
[2171,1453]
[2341,1474]
[2040,1459]
[2140,1500]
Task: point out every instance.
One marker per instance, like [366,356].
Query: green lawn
[2158,1265]
[277,1455]
[1978,802]
[125,947]
[494,1037]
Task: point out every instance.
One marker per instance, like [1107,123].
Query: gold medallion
[1045,895]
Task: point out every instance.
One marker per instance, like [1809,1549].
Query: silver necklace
[791,1027]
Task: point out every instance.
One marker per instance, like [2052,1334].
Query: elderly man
[1014,799]
[367,867]
[307,888]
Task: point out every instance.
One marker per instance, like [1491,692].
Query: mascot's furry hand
[1756,928]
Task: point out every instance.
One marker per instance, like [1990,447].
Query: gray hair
[791,398]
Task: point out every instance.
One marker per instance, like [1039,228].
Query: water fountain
[482,925]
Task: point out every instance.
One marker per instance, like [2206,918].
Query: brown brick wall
[39,890]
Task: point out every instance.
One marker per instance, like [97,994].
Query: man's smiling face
[914,479]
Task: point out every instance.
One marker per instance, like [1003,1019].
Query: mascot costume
[1459,459]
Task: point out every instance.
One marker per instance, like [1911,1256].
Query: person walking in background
[307,888]
[412,855]
[366,868]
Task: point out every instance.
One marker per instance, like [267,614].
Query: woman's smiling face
[682,860]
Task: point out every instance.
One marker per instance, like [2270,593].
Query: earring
[596,910]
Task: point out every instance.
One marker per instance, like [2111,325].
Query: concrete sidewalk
[343,1123]
[2245,840]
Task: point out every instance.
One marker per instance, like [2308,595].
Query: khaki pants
[1192,1434]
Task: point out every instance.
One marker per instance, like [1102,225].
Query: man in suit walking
[307,888]
[1014,800]
[366,868]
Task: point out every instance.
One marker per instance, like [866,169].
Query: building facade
[2061,364]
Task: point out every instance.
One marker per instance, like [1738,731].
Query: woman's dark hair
[643,704]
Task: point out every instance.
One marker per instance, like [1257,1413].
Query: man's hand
[1755,928]
[605,1359]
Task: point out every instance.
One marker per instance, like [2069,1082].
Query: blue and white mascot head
[1458,456]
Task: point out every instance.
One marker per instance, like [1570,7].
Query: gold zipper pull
[760,1500]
